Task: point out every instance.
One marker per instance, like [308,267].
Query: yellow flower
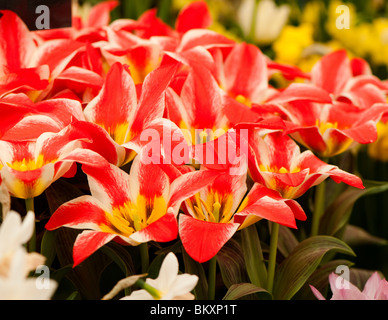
[378,150]
[291,43]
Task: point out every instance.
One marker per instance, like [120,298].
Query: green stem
[319,207]
[32,242]
[212,278]
[155,293]
[145,260]
[273,248]
[252,31]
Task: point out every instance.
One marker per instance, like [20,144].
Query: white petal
[183,284]
[168,273]
[138,295]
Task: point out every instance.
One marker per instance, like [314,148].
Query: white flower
[16,286]
[270,19]
[14,233]
[169,284]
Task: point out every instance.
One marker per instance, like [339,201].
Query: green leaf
[287,241]
[294,271]
[240,290]
[355,236]
[337,215]
[194,267]
[73,296]
[231,263]
[120,256]
[47,246]
[253,255]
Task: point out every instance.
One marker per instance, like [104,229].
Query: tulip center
[197,136]
[119,133]
[323,126]
[244,100]
[28,164]
[131,217]
[275,169]
[216,207]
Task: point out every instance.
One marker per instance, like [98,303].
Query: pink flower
[375,288]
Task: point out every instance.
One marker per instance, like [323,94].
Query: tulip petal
[72,214]
[202,239]
[89,242]
[193,16]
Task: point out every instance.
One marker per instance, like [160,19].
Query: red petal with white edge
[268,204]
[360,67]
[288,71]
[205,38]
[93,137]
[317,166]
[364,96]
[24,80]
[297,210]
[84,212]
[332,72]
[74,77]
[152,100]
[189,184]
[57,54]
[339,175]
[89,242]
[17,44]
[117,101]
[109,184]
[150,25]
[164,229]
[195,15]
[246,72]
[202,239]
[99,15]
[140,176]
[301,91]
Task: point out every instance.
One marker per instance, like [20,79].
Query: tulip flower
[28,167]
[223,207]
[279,165]
[268,20]
[25,120]
[127,208]
[375,288]
[348,80]
[29,66]
[198,110]
[332,129]
[218,211]
[244,76]
[128,116]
